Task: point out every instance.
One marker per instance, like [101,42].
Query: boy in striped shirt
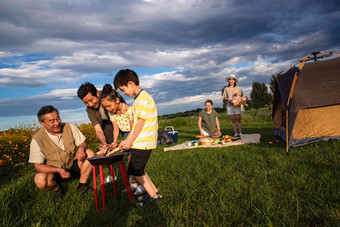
[142,138]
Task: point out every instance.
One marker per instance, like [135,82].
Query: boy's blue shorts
[138,161]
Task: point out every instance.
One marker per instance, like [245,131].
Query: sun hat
[232,76]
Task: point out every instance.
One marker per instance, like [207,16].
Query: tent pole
[287,142]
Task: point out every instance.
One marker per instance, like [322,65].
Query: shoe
[108,179]
[133,185]
[240,134]
[84,188]
[145,201]
[143,197]
[139,191]
[59,194]
[236,135]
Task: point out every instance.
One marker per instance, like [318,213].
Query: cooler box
[172,132]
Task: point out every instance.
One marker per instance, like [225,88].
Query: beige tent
[306,105]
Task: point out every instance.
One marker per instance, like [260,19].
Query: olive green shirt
[208,120]
[97,116]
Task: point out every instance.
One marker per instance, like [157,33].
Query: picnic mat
[245,139]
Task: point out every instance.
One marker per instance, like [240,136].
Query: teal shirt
[208,120]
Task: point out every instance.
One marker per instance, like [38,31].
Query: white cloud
[195,99]
[5,54]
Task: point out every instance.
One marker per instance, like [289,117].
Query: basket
[172,132]
[206,141]
[239,102]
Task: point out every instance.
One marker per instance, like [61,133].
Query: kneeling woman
[208,123]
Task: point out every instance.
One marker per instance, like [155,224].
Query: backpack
[164,138]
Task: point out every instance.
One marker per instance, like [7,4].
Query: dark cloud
[200,42]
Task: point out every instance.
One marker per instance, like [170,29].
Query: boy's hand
[113,145]
[125,145]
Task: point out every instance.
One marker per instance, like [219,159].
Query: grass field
[254,184]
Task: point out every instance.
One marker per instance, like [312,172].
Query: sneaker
[143,197]
[139,191]
[236,135]
[133,185]
[59,193]
[108,179]
[84,188]
[145,201]
[240,134]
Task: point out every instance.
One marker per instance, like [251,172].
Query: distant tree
[259,95]
[272,84]
[249,104]
[224,101]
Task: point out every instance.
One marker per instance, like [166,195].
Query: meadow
[256,184]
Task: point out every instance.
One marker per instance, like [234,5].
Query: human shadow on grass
[120,211]
[11,173]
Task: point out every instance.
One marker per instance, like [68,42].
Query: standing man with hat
[233,111]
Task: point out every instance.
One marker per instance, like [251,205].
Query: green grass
[254,184]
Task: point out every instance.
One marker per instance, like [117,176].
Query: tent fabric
[285,83]
[317,85]
[325,119]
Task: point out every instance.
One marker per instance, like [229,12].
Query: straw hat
[232,76]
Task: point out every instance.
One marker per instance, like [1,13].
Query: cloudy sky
[182,50]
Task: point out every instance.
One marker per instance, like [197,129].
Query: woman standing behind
[120,113]
[208,123]
[233,111]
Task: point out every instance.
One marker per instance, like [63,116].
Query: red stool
[100,161]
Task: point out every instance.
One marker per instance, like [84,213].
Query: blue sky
[181,50]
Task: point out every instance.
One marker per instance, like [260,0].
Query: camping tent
[306,105]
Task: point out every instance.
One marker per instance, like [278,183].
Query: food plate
[105,160]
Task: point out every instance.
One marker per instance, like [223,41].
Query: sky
[181,50]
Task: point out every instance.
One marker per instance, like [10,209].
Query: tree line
[259,97]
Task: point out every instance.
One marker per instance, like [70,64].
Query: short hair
[124,76]
[111,94]
[211,102]
[45,110]
[86,88]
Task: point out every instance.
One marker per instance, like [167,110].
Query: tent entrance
[321,122]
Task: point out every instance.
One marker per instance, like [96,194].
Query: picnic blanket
[245,139]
